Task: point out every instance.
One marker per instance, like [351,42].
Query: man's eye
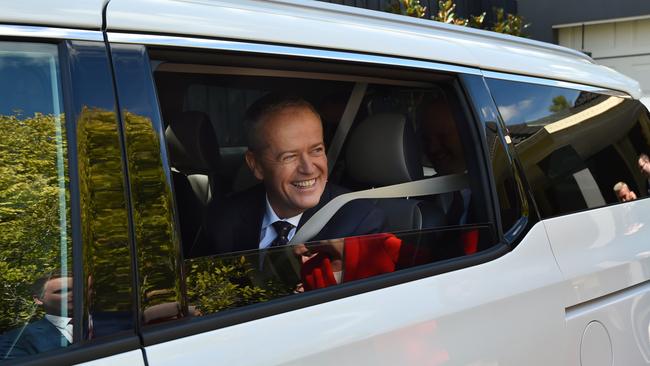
[288,158]
[318,151]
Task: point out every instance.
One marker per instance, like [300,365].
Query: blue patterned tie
[282,228]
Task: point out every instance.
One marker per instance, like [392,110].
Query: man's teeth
[305,183]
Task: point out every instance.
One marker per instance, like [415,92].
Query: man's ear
[253,164]
[37,301]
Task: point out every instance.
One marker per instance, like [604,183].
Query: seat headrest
[193,145]
[383,150]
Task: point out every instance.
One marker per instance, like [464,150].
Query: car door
[65,215]
[496,306]
[583,164]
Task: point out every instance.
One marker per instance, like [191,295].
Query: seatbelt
[424,187]
[345,123]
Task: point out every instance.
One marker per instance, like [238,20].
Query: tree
[504,22]
[508,23]
[446,14]
[411,8]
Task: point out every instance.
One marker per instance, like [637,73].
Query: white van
[509,178]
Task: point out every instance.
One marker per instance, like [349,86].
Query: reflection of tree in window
[559,104]
[103,208]
[30,231]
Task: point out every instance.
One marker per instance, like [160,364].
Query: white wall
[623,45]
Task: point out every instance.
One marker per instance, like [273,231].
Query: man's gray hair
[618,186]
[259,111]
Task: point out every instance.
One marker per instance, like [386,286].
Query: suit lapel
[47,336]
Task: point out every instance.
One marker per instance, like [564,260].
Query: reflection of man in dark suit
[52,332]
[286,151]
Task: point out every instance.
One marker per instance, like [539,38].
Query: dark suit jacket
[36,337]
[236,224]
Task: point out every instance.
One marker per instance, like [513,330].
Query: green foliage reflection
[157,243]
[220,283]
[103,210]
[30,216]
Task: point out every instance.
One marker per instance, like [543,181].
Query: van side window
[513,206]
[35,242]
[399,182]
[578,149]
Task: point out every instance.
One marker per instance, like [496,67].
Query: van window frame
[158,333]
[553,84]
[80,351]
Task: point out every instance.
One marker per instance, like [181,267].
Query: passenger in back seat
[444,149]
[286,151]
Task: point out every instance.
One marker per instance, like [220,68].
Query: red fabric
[469,239]
[364,256]
[367,256]
[317,272]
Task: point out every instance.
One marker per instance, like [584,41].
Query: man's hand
[332,249]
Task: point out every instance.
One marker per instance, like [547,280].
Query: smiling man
[287,153]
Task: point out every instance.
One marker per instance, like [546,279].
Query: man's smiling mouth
[304,183]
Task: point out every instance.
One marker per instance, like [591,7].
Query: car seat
[383,150]
[194,160]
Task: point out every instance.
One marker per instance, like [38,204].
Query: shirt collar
[270,216]
[58,321]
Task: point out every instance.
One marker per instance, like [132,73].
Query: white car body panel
[625,319]
[482,315]
[86,14]
[331,26]
[602,250]
[604,254]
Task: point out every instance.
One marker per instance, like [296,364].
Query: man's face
[54,291]
[441,140]
[625,194]
[644,165]
[293,165]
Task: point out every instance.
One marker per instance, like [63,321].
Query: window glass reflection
[575,147]
[217,283]
[35,246]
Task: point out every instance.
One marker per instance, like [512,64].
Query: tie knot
[282,228]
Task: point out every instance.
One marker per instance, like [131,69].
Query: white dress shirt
[63,324]
[268,234]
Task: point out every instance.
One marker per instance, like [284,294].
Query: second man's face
[293,165]
[57,292]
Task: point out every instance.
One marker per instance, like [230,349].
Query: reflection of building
[571,151]
[614,33]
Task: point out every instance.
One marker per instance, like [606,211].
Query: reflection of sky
[524,103]
[26,84]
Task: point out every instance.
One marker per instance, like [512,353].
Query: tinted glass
[107,259]
[411,135]
[509,189]
[157,242]
[35,246]
[578,149]
[217,283]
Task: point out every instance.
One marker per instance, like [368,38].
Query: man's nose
[306,164]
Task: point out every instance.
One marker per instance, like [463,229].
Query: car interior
[372,131]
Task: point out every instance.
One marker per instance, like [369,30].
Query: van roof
[330,26]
